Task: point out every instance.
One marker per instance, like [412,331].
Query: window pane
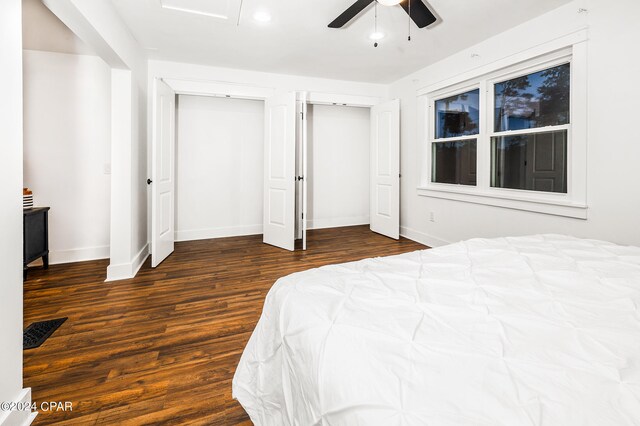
[455,162]
[458,115]
[535,100]
[536,162]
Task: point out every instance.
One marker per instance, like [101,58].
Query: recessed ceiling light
[389,2]
[377,35]
[262,16]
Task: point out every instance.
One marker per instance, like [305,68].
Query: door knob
[149,181]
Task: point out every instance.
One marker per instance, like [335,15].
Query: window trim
[572,204]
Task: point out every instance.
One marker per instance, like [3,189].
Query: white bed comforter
[534,331]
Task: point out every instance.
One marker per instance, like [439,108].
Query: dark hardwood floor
[162,348]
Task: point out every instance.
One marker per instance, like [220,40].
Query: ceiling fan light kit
[418,12]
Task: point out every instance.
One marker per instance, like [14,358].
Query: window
[514,136]
[525,155]
[534,100]
[457,124]
[458,115]
[455,162]
[536,103]
[533,162]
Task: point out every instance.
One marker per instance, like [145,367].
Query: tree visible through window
[536,159]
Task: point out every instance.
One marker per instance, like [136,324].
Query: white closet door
[279,170]
[304,186]
[163,173]
[299,160]
[385,169]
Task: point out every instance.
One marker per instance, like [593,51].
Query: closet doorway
[289,119]
[207,158]
[348,163]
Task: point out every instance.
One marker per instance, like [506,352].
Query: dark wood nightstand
[35,235]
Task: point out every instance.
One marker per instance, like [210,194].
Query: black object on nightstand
[35,236]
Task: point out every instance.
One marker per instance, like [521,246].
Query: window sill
[532,204]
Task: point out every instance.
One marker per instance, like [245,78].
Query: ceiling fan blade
[420,13]
[351,13]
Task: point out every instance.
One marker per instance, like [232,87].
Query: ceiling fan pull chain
[375,25]
[409,38]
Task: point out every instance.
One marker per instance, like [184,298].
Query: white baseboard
[239,231]
[125,271]
[78,255]
[57,257]
[337,222]
[422,238]
[19,417]
[206,234]
[138,261]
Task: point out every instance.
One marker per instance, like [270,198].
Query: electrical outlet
[432,217]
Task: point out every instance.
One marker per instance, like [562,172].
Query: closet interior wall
[219,167]
[338,156]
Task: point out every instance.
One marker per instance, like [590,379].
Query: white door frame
[318,98]
[315,98]
[304,208]
[219,89]
[301,168]
[203,88]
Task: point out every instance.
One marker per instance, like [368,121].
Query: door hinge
[302,115]
[302,215]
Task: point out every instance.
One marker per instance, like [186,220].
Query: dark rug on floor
[38,332]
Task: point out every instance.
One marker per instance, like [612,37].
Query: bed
[536,331]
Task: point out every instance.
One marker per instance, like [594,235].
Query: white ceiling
[42,30]
[297,40]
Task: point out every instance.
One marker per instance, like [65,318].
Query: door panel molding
[385,169]
[279,181]
[163,173]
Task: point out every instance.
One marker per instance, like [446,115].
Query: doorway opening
[67,142]
[338,166]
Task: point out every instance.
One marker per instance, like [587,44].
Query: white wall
[613,148]
[219,167]
[11,212]
[338,166]
[67,145]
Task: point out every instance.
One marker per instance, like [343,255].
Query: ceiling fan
[416,9]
